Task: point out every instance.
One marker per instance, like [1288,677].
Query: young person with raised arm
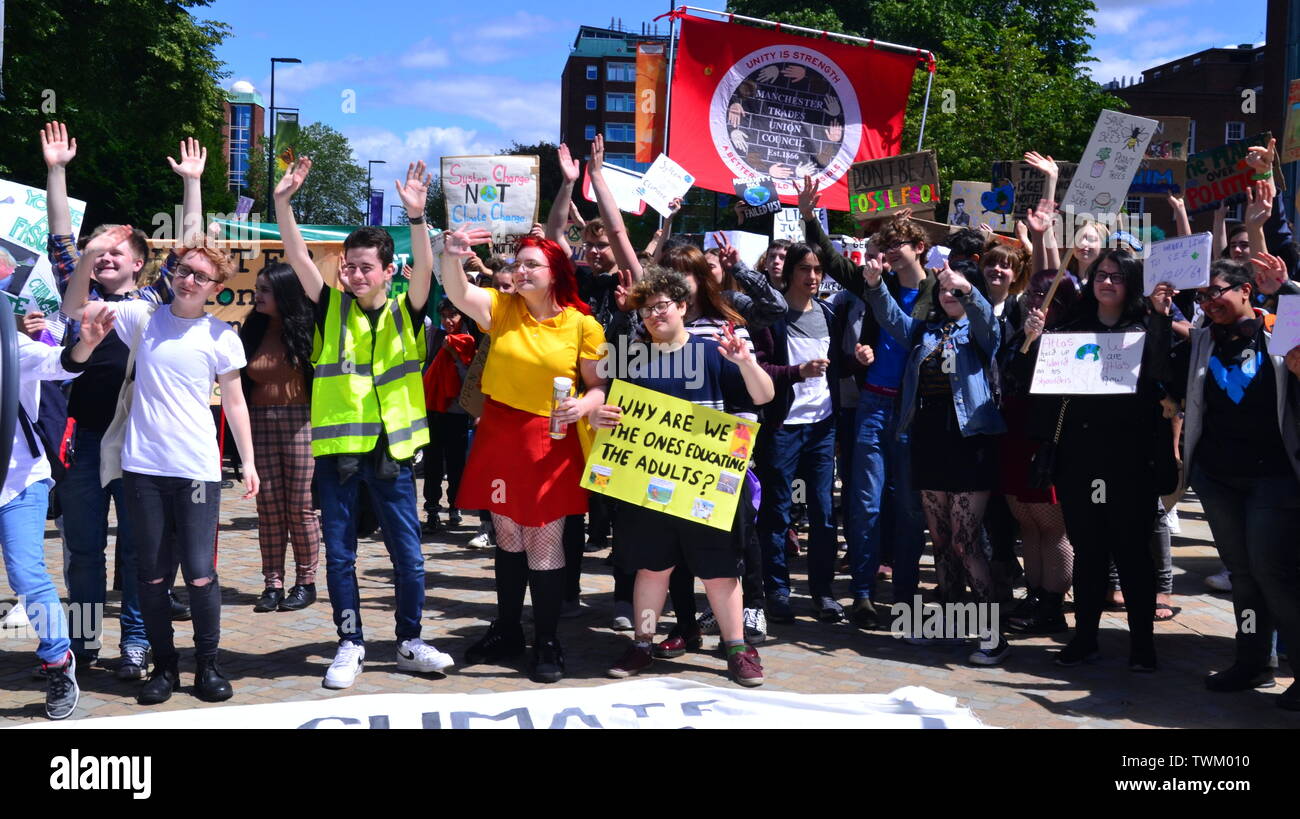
[93,397]
[526,463]
[172,481]
[368,415]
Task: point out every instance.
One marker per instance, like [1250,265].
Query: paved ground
[282,656]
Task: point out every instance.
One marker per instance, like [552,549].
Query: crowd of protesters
[895,411]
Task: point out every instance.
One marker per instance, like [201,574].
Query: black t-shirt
[597,290]
[93,399]
[1240,437]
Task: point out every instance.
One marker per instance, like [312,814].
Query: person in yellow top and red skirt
[527,478]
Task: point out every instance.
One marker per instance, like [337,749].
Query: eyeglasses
[1212,293]
[1114,278]
[659,308]
[185,270]
[529,265]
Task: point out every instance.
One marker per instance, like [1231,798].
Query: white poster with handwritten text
[1286,330]
[1115,150]
[1088,363]
[497,193]
[663,182]
[1183,261]
[787,223]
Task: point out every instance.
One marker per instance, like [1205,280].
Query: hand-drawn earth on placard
[786,120]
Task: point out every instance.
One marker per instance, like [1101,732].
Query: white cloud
[519,25]
[529,112]
[425,54]
[428,144]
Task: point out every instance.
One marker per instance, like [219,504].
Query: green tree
[131,78]
[1010,73]
[334,193]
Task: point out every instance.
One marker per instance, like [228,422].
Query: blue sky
[437,79]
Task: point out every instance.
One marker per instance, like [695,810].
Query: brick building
[244,119]
[598,91]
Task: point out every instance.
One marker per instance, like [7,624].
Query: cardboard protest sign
[974,202]
[1183,262]
[663,182]
[855,250]
[758,197]
[936,233]
[1088,363]
[1170,138]
[1289,149]
[750,246]
[1159,178]
[1020,185]
[788,224]
[880,187]
[1115,149]
[623,184]
[1286,329]
[497,193]
[672,456]
[25,273]
[1221,175]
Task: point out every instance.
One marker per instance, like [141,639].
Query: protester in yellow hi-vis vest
[367,414]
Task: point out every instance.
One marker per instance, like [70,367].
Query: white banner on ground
[1088,363]
[650,703]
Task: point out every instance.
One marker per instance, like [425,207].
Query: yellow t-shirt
[526,355]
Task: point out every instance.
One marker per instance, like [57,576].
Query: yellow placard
[672,456]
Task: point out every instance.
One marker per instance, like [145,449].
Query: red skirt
[516,469]
[1016,453]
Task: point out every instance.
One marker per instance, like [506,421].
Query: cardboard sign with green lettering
[1221,175]
[881,187]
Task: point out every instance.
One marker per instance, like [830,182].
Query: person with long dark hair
[277,338]
[1114,459]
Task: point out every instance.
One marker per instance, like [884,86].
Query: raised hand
[728,256]
[1270,273]
[1259,205]
[732,347]
[1176,204]
[809,196]
[414,192]
[568,165]
[107,240]
[622,291]
[873,269]
[96,322]
[194,157]
[538,231]
[57,149]
[739,208]
[986,229]
[1162,298]
[294,176]
[460,243]
[597,161]
[1041,163]
[1040,217]
[1261,159]
[950,279]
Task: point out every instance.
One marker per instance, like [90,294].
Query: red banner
[651,85]
[755,102]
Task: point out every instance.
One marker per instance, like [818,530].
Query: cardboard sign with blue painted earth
[759,196]
[672,456]
[1088,363]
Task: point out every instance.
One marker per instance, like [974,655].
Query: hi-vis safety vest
[367,382]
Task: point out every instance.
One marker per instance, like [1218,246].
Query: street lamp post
[369,186]
[270,149]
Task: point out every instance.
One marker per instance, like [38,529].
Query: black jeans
[175,524]
[1256,526]
[444,456]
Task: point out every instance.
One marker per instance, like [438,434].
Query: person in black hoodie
[1114,458]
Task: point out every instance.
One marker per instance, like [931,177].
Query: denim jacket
[973,346]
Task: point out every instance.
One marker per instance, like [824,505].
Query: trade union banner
[753,103]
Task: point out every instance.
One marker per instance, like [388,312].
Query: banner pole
[925,109]
[668,98]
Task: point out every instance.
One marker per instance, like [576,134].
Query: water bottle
[559,391]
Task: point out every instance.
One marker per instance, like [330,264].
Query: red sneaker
[744,668]
[635,660]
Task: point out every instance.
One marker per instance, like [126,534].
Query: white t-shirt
[170,431]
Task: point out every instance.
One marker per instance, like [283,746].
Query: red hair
[564,285]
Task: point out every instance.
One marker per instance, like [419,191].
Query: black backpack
[55,431]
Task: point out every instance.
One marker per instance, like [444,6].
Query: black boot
[548,662]
[299,597]
[1047,617]
[270,600]
[1025,607]
[503,641]
[180,611]
[161,683]
[209,683]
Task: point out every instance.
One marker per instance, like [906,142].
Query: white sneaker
[1175,527]
[1220,582]
[755,626]
[16,617]
[706,622]
[346,666]
[622,617]
[417,655]
[480,541]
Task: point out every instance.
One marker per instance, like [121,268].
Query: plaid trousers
[282,449]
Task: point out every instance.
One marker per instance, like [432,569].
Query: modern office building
[598,91]
[245,115]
